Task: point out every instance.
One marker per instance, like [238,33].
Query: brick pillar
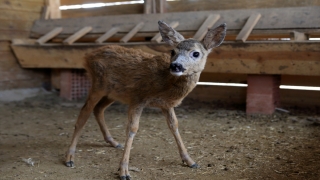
[263,94]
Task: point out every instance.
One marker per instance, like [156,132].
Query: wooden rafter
[248,27]
[208,23]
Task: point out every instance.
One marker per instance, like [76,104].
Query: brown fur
[132,76]
[140,79]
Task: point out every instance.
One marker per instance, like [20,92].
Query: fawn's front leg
[173,126]
[134,114]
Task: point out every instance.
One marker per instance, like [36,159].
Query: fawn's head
[189,55]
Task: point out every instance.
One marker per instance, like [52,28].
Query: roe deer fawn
[140,79]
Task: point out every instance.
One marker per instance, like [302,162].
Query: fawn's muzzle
[176,67]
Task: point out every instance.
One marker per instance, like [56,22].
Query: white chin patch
[176,73]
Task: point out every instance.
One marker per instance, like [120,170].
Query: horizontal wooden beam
[300,58]
[271,19]
[266,58]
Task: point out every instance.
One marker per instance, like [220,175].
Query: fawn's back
[130,75]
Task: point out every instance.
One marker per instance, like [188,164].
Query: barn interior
[254,113]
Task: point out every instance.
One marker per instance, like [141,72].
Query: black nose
[176,67]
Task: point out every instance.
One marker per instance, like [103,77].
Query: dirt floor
[35,133]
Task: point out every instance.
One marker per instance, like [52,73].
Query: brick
[263,94]
[74,84]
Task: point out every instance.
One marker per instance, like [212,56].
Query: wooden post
[246,30]
[70,40]
[54,10]
[127,37]
[298,36]
[157,38]
[66,84]
[208,23]
[49,35]
[161,6]
[45,12]
[107,35]
[148,7]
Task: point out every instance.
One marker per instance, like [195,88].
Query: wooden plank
[157,38]
[49,35]
[301,58]
[246,30]
[11,34]
[10,70]
[19,15]
[45,14]
[54,11]
[107,35]
[271,19]
[205,5]
[208,23]
[266,58]
[19,5]
[5,46]
[127,37]
[256,35]
[161,6]
[73,2]
[103,11]
[15,25]
[202,5]
[147,8]
[77,35]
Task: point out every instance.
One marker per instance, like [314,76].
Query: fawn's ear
[169,35]
[215,36]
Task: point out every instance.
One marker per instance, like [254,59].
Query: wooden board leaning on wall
[274,23]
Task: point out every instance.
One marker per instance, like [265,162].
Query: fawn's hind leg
[93,99]
[99,114]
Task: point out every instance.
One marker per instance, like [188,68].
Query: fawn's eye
[173,53]
[195,54]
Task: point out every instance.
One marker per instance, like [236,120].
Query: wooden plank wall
[180,6]
[232,95]
[16,19]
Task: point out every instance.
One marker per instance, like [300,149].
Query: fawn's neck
[185,84]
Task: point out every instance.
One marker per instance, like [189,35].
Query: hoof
[125,177]
[70,164]
[195,166]
[119,146]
